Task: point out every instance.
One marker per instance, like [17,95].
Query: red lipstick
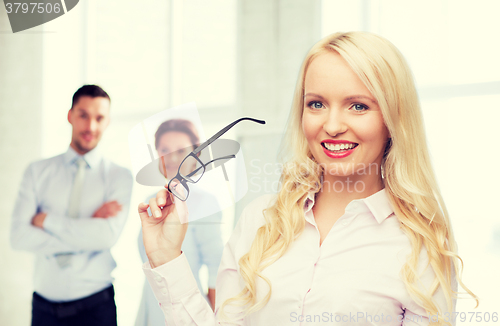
[338,155]
[333,141]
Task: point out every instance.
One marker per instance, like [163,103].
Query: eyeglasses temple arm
[222,131]
[220,158]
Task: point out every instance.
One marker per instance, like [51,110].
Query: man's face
[89,118]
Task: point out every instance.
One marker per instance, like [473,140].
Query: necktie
[76,191]
[64,259]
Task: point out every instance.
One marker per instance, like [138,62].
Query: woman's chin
[338,168]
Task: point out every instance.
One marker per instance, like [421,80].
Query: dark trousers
[99,309]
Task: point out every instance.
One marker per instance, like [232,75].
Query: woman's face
[174,146]
[341,120]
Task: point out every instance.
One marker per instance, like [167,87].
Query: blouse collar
[378,204]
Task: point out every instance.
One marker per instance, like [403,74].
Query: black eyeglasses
[178,185]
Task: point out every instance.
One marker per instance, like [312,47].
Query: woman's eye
[315,105]
[359,107]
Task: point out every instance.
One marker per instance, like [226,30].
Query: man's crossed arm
[48,233]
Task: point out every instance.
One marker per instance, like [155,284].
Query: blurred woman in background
[174,139]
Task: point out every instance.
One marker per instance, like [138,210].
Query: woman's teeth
[339,147]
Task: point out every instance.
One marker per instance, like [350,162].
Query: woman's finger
[182,210]
[155,210]
[169,195]
[161,197]
[143,210]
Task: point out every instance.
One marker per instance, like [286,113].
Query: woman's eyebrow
[360,96]
[312,94]
[349,98]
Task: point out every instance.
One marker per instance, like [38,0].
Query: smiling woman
[382,251]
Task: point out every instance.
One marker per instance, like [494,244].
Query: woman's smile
[338,148]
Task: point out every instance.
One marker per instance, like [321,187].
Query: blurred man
[70,211]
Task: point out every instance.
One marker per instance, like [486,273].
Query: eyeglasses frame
[185,179]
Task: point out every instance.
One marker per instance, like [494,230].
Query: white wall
[21,92]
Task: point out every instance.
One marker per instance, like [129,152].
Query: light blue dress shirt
[202,246]
[46,187]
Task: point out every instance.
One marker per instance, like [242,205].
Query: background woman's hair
[409,178]
[178,125]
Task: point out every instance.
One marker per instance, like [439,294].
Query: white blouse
[353,278]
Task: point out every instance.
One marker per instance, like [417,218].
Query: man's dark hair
[89,90]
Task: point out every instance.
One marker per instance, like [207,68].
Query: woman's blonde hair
[409,178]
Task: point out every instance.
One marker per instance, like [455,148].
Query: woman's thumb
[181,209]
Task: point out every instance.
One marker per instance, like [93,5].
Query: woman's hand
[164,231]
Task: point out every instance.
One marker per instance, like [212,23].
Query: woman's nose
[172,159]
[334,123]
[178,156]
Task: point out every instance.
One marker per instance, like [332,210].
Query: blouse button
[164,291]
[158,278]
[345,223]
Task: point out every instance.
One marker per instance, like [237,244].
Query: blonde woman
[358,233]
